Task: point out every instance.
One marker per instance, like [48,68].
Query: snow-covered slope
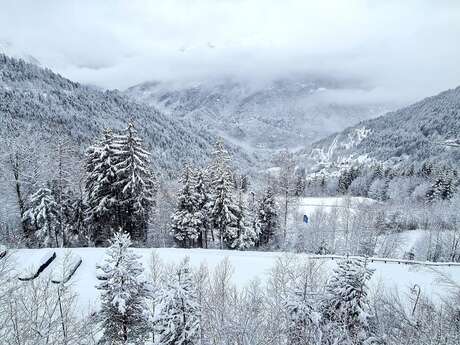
[41,105]
[288,112]
[247,266]
[310,205]
[411,134]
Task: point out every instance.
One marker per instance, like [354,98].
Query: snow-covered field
[247,266]
[405,242]
[310,205]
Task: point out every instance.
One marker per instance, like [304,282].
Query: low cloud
[404,49]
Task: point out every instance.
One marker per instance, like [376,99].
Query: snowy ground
[310,205]
[247,266]
[406,241]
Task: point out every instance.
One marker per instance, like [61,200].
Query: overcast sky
[403,48]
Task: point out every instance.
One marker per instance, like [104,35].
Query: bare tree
[286,179]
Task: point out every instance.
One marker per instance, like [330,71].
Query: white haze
[403,50]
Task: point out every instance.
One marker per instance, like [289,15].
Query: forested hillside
[41,105]
[410,135]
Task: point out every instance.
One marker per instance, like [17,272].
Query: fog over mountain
[394,47]
[262,74]
[285,113]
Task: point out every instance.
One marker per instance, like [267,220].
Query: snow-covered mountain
[285,113]
[40,104]
[409,135]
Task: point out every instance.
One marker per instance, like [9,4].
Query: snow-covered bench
[45,261]
[65,268]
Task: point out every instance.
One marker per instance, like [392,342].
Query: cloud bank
[404,49]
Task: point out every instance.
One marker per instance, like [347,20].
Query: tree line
[425,182]
[117,188]
[214,206]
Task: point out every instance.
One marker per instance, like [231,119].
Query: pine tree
[123,314]
[344,182]
[303,320]
[73,219]
[223,210]
[185,225]
[177,313]
[220,162]
[79,228]
[244,183]
[135,183]
[203,205]
[442,187]
[376,172]
[242,235]
[60,183]
[42,213]
[300,182]
[346,300]
[346,177]
[101,193]
[253,217]
[267,218]
[378,189]
[426,170]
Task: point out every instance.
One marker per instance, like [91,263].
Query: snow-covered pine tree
[79,228]
[427,169]
[267,217]
[185,224]
[202,211]
[135,183]
[346,301]
[124,312]
[300,182]
[177,313]
[243,235]
[378,189]
[443,187]
[244,184]
[346,177]
[220,162]
[303,320]
[73,219]
[253,216]
[100,192]
[63,152]
[224,212]
[41,213]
